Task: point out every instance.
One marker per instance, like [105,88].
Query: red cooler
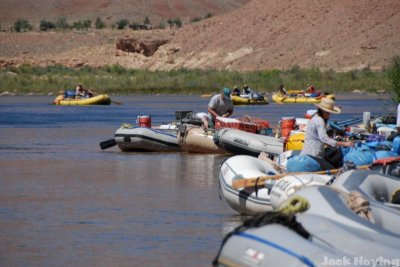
[144,121]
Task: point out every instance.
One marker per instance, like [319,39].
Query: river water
[64,202]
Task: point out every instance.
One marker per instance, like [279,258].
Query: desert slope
[111,10]
[262,34]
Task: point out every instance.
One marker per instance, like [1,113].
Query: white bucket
[367,119]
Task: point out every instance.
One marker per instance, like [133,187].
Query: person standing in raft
[220,105]
[282,90]
[316,137]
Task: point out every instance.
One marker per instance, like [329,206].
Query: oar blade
[116,102]
[240,183]
[107,143]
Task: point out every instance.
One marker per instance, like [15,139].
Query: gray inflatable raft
[146,139]
[239,142]
[336,237]
[372,184]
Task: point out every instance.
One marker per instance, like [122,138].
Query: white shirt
[220,105]
[316,138]
[398,116]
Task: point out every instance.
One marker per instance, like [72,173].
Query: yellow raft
[238,100]
[95,100]
[278,98]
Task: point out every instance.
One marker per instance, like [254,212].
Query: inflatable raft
[240,142]
[254,200]
[325,234]
[239,100]
[373,185]
[195,139]
[300,99]
[146,139]
[95,100]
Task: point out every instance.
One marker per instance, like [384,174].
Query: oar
[260,181]
[118,103]
[107,143]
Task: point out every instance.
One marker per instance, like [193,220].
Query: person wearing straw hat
[398,119]
[316,137]
[220,105]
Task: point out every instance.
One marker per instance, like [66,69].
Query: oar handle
[107,143]
[260,181]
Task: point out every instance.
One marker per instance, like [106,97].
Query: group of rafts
[348,216]
[301,219]
[187,134]
[292,97]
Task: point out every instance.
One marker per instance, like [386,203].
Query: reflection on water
[66,202]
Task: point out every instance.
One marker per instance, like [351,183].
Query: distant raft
[95,100]
[239,100]
[298,99]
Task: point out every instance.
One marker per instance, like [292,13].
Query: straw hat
[328,105]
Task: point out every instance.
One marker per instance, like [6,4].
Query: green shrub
[99,24]
[22,25]
[122,23]
[62,23]
[170,23]
[194,20]
[393,76]
[178,22]
[45,25]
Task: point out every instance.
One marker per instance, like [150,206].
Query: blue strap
[304,259]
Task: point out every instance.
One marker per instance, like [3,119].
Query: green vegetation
[61,24]
[197,19]
[22,25]
[118,80]
[45,25]
[82,25]
[194,20]
[122,23]
[394,79]
[99,24]
[209,15]
[178,22]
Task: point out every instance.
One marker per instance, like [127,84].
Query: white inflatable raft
[244,143]
[258,200]
[146,139]
[329,233]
